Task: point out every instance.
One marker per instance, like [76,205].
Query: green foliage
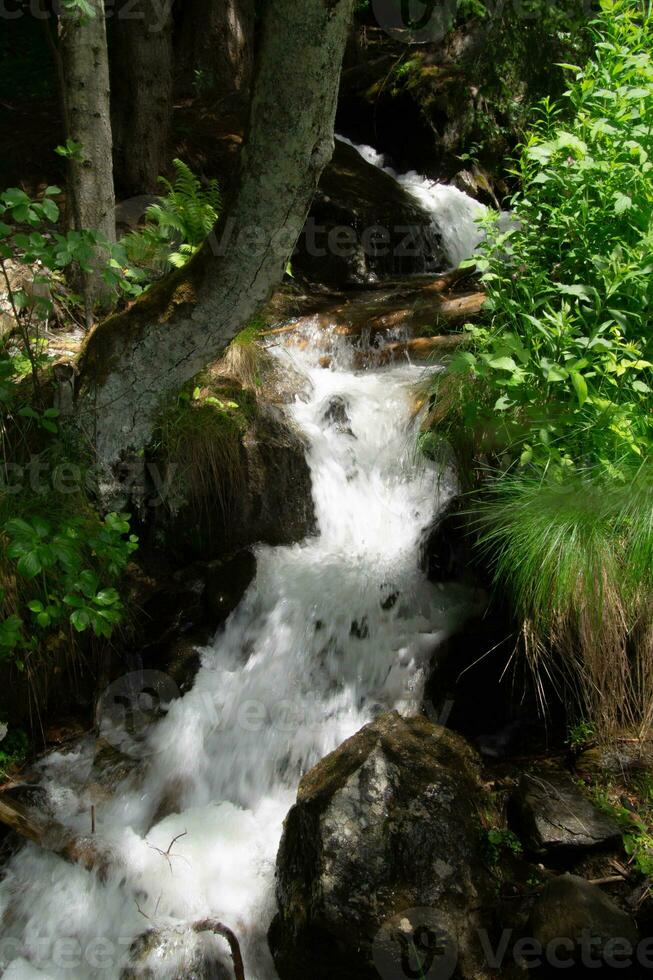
[177,225]
[59,563]
[634,819]
[14,748]
[564,363]
[28,237]
[60,571]
[554,391]
[581,735]
[499,840]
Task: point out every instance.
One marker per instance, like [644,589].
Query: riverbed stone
[553,814]
[364,226]
[384,843]
[572,915]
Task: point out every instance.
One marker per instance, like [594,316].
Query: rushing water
[454,213]
[331,632]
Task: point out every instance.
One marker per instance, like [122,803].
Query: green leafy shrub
[59,561]
[177,225]
[14,748]
[552,398]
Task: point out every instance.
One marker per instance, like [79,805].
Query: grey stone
[554,813]
[385,838]
[572,909]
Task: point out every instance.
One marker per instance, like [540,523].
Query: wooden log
[53,836]
[461,307]
[420,348]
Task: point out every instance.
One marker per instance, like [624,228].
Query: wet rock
[384,840]
[363,226]
[109,769]
[183,660]
[617,758]
[271,503]
[282,384]
[227,580]
[576,920]
[337,415]
[175,608]
[554,815]
[177,954]
[277,507]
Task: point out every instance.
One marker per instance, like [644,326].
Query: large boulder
[383,852]
[363,225]
[575,923]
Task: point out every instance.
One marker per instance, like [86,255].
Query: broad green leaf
[580,386]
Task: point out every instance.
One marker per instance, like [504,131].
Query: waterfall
[331,632]
[455,214]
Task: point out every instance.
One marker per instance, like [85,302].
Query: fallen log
[54,836]
[460,307]
[420,348]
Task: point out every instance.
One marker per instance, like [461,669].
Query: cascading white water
[331,632]
[455,214]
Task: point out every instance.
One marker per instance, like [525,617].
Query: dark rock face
[384,840]
[272,503]
[571,915]
[554,815]
[278,505]
[363,226]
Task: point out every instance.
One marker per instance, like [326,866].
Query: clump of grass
[200,434]
[245,360]
[575,557]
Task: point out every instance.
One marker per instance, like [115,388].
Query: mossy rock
[388,828]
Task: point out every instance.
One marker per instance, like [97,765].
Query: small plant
[500,840]
[581,736]
[631,806]
[177,225]
[61,571]
[14,748]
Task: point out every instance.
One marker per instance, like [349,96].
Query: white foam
[332,631]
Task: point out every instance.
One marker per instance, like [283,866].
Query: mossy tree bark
[85,81]
[141,93]
[134,359]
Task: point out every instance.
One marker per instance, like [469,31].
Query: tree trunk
[85,80]
[141,93]
[132,360]
[216,50]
